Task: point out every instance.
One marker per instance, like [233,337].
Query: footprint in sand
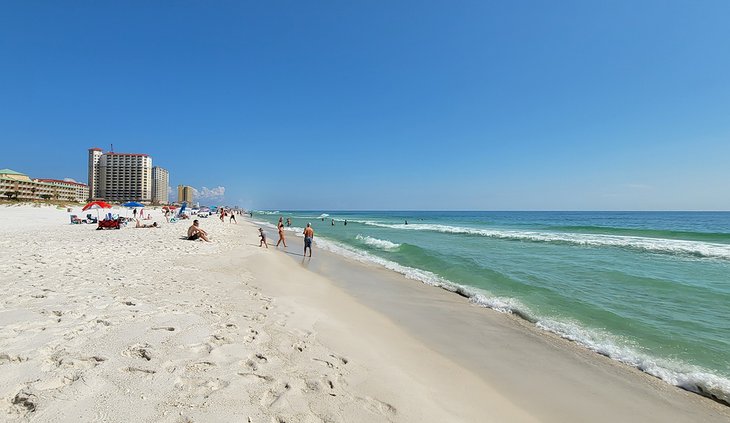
[24,403]
[139,351]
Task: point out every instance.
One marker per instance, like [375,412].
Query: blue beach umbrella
[133,204]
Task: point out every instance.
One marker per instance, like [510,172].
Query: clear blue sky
[381,104]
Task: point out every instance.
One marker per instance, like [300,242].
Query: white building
[160,185]
[120,177]
[94,156]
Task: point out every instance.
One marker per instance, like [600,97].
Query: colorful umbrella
[96,205]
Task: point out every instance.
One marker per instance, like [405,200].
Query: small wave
[685,376]
[323,215]
[377,243]
[266,212]
[655,245]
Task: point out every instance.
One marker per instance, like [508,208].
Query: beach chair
[75,220]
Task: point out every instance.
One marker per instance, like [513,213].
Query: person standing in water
[280,226]
[308,237]
[333,222]
[288,222]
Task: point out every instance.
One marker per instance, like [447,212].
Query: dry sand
[140,325]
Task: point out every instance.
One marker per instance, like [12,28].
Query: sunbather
[139,225]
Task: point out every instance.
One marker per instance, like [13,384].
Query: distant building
[119,177]
[74,191]
[21,187]
[94,156]
[184,194]
[160,185]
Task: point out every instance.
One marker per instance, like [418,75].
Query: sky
[380,105]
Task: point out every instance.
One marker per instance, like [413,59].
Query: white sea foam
[323,215]
[686,376]
[377,243]
[655,245]
[692,378]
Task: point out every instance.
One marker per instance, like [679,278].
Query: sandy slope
[139,325]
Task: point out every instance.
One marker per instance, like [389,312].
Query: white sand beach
[141,325]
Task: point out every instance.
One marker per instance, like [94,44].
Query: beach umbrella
[98,205]
[133,204]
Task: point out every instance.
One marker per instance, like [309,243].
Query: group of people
[195,232]
[230,213]
[308,236]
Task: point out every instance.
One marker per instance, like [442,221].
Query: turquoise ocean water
[650,289]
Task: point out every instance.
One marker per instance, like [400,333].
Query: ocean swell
[654,245]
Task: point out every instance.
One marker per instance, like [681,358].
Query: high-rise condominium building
[184,194]
[120,176]
[160,185]
[94,156]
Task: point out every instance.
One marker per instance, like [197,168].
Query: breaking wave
[654,245]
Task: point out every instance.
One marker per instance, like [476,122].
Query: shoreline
[138,324]
[516,320]
[689,378]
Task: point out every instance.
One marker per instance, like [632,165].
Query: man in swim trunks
[308,236]
[194,232]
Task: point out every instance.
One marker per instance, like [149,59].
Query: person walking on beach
[263,238]
[280,226]
[308,236]
[233,218]
[194,232]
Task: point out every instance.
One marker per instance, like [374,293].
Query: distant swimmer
[406,222]
[288,222]
[333,222]
[345,222]
[308,237]
[280,226]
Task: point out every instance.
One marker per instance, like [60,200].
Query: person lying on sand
[139,225]
[194,232]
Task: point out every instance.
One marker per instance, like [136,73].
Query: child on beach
[263,238]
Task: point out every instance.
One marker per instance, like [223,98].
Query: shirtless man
[308,236]
[194,232]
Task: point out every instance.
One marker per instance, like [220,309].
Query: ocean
[649,289]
